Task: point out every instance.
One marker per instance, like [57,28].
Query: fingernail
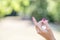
[44,19]
[32,18]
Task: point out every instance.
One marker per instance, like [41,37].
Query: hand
[47,33]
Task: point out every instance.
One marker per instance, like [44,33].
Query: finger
[38,30]
[43,19]
[34,20]
[46,24]
[40,22]
[38,27]
[48,29]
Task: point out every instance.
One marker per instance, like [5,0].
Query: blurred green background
[49,9]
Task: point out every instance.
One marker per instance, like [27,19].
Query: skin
[48,35]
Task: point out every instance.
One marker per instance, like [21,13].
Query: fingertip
[34,20]
[43,19]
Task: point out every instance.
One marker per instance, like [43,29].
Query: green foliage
[41,10]
[6,6]
[54,10]
[49,9]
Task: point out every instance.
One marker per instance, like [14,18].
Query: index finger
[34,20]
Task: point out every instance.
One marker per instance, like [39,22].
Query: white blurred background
[14,28]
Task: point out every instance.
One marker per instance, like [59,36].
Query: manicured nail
[44,19]
[32,18]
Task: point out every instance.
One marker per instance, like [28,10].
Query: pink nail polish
[44,19]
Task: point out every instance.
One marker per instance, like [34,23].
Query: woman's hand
[46,32]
